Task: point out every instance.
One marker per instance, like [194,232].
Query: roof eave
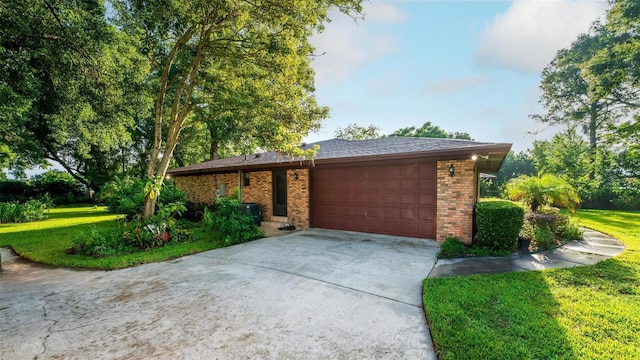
[495,152]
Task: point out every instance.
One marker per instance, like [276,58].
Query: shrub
[570,231]
[547,221]
[544,237]
[134,235]
[498,224]
[230,224]
[100,243]
[527,232]
[451,247]
[547,189]
[31,210]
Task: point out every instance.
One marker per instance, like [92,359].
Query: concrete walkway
[312,294]
[594,248]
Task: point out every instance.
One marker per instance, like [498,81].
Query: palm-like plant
[546,189]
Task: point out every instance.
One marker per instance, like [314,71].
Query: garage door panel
[408,185]
[374,212]
[391,185]
[359,199]
[374,199]
[425,214]
[407,214]
[390,199]
[395,199]
[389,213]
[407,199]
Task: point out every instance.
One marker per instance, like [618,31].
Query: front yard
[588,312]
[46,241]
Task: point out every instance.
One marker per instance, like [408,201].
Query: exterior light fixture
[474,157]
[295,176]
[452,170]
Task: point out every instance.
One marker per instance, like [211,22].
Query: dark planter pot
[523,245]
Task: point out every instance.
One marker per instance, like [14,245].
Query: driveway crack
[49,330]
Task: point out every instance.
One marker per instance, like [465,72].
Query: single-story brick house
[417,187]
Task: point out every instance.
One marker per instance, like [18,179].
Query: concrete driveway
[310,294]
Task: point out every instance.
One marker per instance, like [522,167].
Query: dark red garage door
[394,199]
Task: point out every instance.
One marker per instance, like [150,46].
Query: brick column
[298,197]
[456,200]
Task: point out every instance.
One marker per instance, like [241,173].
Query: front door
[280,193]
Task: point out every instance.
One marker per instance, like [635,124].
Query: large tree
[189,41]
[568,97]
[70,84]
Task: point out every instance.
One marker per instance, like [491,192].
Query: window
[247,179]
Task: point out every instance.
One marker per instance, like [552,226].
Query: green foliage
[430,130]
[357,132]
[230,225]
[527,232]
[451,247]
[72,87]
[514,165]
[126,195]
[498,223]
[32,210]
[544,237]
[570,231]
[135,235]
[245,64]
[546,189]
[60,187]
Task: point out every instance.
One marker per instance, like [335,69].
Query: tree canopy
[72,87]
[258,51]
[357,132]
[430,130]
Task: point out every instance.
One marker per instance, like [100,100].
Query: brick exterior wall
[298,204]
[202,188]
[260,191]
[456,200]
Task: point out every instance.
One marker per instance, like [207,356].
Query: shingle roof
[336,149]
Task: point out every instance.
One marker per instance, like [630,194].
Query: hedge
[498,224]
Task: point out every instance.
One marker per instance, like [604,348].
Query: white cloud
[383,84]
[383,13]
[453,85]
[527,36]
[347,45]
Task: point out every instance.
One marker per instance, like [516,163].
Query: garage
[384,198]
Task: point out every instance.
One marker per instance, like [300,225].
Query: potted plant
[527,233]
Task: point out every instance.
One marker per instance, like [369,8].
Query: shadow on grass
[502,316]
[612,277]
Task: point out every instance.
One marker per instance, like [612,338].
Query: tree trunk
[213,150]
[593,137]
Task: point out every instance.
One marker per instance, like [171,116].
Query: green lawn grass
[46,241]
[588,312]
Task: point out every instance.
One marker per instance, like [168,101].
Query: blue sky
[472,66]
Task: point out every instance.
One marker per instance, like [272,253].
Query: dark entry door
[280,193]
